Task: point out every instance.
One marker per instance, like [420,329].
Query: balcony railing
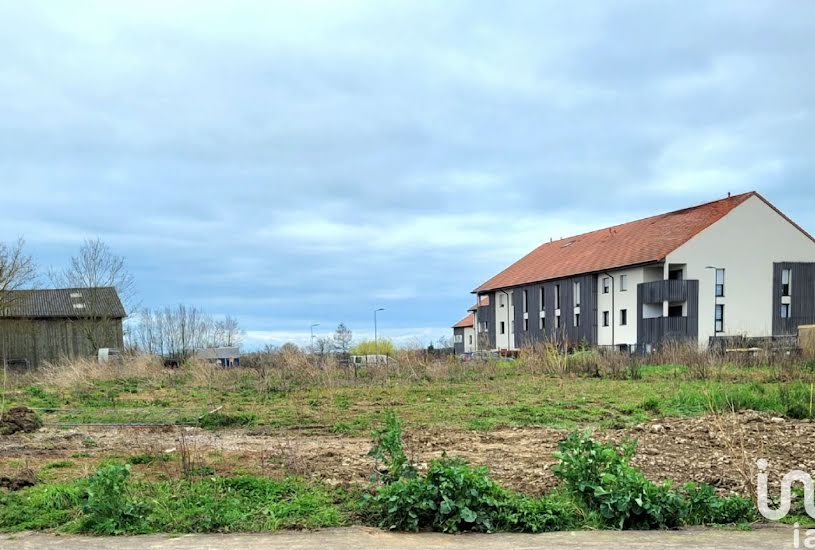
[671,290]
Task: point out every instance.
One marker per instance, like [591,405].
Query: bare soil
[719,450]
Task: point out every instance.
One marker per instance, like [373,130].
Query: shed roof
[218,353]
[73,303]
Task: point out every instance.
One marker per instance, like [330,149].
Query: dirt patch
[710,449]
[19,419]
[24,478]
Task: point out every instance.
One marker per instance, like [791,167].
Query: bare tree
[96,267]
[179,331]
[17,272]
[342,339]
[228,332]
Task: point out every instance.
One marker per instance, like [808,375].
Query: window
[719,318]
[605,318]
[526,301]
[675,275]
[501,296]
[577,319]
[606,284]
[542,323]
[471,339]
[543,302]
[512,327]
[675,311]
[486,326]
[785,311]
[623,283]
[557,296]
[459,338]
[557,321]
[623,317]
[719,283]
[576,293]
[503,327]
[786,281]
[526,325]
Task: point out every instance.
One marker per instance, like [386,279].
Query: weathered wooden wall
[42,340]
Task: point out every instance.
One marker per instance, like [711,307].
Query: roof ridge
[653,216]
[592,253]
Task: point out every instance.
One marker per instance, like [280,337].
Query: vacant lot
[316,423]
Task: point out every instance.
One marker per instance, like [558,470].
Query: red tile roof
[485,301]
[466,322]
[638,242]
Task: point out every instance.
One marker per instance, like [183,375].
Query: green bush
[602,478]
[455,497]
[704,507]
[109,508]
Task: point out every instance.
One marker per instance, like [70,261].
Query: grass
[210,505]
[505,396]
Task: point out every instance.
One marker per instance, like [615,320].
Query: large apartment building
[731,267]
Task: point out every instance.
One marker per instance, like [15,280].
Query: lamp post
[312,335]
[715,271]
[376,334]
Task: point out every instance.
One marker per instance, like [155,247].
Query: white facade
[745,243]
[504,319]
[468,339]
[623,288]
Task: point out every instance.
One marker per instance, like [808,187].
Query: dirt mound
[19,419]
[25,478]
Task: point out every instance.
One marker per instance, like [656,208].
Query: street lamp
[376,334]
[312,335]
[715,295]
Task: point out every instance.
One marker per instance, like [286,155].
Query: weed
[109,508]
[389,450]
[217,420]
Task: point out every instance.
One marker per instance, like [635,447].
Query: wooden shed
[46,325]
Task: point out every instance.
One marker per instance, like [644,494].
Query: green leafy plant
[704,507]
[390,450]
[109,508]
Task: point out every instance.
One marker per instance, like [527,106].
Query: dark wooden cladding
[49,340]
[486,340]
[586,333]
[458,347]
[657,329]
[672,290]
[802,297]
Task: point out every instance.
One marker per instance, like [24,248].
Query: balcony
[670,290]
[660,329]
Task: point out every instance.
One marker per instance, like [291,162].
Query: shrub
[455,497]
[109,508]
[704,507]
[601,477]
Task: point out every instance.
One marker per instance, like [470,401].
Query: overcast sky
[307,162]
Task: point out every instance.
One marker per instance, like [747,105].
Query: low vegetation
[186,489]
[600,489]
[287,388]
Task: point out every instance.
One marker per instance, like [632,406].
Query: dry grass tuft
[75,373]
